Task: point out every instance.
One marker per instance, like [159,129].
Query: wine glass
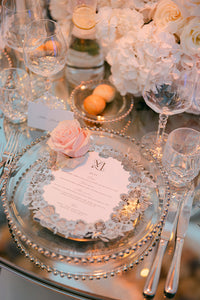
[15,15]
[196,103]
[45,54]
[168,91]
[14,94]
[181,155]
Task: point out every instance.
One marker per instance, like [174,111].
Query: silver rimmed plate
[97,258]
[114,111]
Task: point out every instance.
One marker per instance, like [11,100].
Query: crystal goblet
[196,102]
[15,16]
[181,156]
[45,54]
[167,91]
[14,94]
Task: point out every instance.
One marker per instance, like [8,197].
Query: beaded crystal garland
[124,217]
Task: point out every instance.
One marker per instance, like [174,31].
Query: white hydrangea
[131,44]
[143,4]
[137,4]
[116,3]
[133,55]
[65,26]
[146,7]
[112,24]
[60,9]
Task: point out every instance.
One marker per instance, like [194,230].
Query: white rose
[168,16]
[190,37]
[189,7]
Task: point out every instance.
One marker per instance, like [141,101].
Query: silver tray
[73,258]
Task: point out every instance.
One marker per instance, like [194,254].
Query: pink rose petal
[70,139]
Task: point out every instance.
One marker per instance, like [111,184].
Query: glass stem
[19,59]
[47,85]
[161,128]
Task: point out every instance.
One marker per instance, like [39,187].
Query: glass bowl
[114,111]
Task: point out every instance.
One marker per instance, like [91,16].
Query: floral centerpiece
[134,33]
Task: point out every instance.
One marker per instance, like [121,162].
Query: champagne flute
[15,16]
[45,54]
[168,91]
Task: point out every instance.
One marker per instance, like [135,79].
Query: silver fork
[10,147]
[8,154]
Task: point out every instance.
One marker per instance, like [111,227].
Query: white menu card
[88,192]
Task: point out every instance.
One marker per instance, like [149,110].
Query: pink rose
[70,139]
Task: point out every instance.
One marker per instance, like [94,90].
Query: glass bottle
[85,59]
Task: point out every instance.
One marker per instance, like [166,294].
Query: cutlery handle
[171,284]
[1,180]
[3,175]
[154,274]
[2,163]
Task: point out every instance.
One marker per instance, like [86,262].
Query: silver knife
[172,281]
[169,227]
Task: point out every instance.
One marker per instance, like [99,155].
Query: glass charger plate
[116,110]
[97,258]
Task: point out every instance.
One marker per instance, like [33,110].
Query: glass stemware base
[151,142]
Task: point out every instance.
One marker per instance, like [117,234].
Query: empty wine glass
[167,91]
[14,94]
[45,54]
[196,102]
[15,15]
[181,156]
